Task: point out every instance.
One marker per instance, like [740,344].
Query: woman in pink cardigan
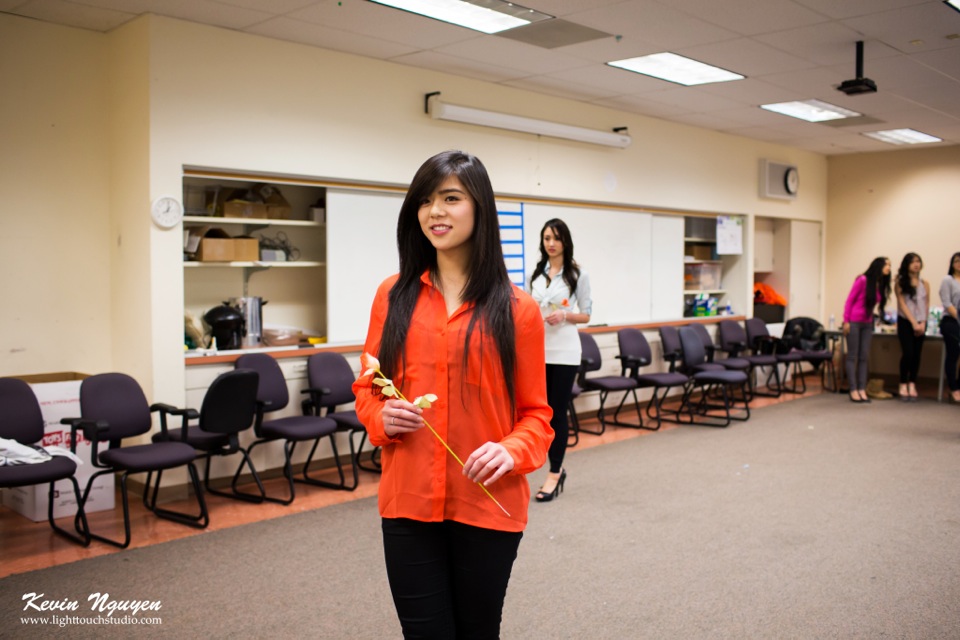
[869,290]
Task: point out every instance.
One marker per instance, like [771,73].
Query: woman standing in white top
[913,307]
[562,289]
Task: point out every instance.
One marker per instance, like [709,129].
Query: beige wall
[168,94]
[56,239]
[886,204]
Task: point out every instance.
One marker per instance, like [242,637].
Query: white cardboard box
[61,399]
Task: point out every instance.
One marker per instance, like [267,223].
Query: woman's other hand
[400,416]
[846,328]
[557,317]
[488,464]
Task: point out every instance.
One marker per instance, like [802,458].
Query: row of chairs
[714,391]
[114,408]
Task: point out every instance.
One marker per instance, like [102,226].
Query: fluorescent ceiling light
[468,115]
[488,16]
[953,4]
[811,110]
[674,68]
[902,136]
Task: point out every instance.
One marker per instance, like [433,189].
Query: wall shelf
[272,222]
[262,265]
[693,292]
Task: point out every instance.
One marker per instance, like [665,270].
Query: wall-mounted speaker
[778,180]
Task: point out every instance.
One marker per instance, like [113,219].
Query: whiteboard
[361,253]
[614,247]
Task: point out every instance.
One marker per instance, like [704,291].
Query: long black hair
[877,282]
[488,285]
[571,270]
[903,274]
[952,258]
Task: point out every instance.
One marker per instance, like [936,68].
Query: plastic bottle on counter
[833,322]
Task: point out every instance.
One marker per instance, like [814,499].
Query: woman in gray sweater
[950,324]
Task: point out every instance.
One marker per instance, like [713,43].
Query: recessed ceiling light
[488,16]
[811,110]
[953,4]
[902,136]
[674,68]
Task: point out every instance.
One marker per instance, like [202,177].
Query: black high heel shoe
[543,496]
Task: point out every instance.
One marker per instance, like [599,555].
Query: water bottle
[833,322]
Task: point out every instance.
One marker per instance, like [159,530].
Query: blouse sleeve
[945,290]
[369,404]
[859,285]
[584,294]
[531,436]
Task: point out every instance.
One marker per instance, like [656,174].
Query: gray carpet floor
[818,518]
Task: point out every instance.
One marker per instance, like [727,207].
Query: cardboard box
[246,249]
[702,251]
[244,209]
[59,397]
[215,244]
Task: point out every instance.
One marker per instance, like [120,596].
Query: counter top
[210,356]
[201,357]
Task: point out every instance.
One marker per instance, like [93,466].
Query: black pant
[951,342]
[448,579]
[560,378]
[910,347]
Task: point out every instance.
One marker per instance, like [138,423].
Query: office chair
[635,353]
[761,341]
[723,381]
[590,361]
[21,420]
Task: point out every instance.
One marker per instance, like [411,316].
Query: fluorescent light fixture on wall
[468,115]
[811,110]
[902,136]
[953,4]
[678,69]
[487,16]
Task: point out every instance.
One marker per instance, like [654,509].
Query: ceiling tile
[750,18]
[745,56]
[520,56]
[654,23]
[74,15]
[336,39]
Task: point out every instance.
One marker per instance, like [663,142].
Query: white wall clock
[791,181]
[167,212]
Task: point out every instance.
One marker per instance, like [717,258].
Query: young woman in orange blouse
[452,324]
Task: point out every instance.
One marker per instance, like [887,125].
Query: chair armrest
[311,406]
[709,350]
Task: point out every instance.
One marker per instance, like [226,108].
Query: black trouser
[858,350]
[911,345]
[951,342]
[560,378]
[448,579]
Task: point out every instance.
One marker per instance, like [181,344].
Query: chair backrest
[634,346]
[117,399]
[670,341]
[330,370]
[732,336]
[704,336]
[756,328]
[230,403]
[20,416]
[589,353]
[692,347]
[272,386]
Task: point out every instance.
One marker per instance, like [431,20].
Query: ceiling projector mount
[859,84]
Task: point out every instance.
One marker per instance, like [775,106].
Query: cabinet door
[763,245]
[666,268]
[361,252]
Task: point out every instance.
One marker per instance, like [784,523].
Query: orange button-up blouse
[420,479]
